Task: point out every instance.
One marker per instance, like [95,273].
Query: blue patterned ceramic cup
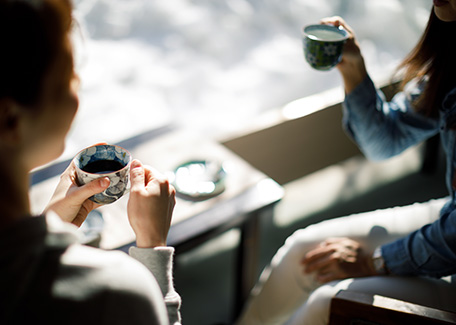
[104,161]
[323,45]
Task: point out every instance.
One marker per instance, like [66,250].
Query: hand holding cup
[150,206]
[70,201]
[351,66]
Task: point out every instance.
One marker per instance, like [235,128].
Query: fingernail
[135,163]
[104,182]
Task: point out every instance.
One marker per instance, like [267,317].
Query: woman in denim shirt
[402,252]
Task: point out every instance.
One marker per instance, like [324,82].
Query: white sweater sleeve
[159,261]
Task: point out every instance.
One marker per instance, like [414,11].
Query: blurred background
[214,66]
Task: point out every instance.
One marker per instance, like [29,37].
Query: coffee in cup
[100,161]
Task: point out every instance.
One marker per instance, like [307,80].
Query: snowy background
[215,65]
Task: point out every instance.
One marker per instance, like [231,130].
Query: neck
[14,199]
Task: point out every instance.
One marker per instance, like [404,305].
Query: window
[215,65]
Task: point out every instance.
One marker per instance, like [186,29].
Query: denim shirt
[383,129]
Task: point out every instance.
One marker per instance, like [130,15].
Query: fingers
[165,187]
[317,259]
[336,21]
[69,174]
[335,258]
[137,175]
[80,217]
[147,177]
[324,263]
[70,201]
[99,143]
[82,193]
[150,205]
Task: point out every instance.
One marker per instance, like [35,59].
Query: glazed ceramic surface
[199,179]
[118,178]
[323,45]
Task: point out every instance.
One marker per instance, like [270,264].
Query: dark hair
[433,58]
[32,34]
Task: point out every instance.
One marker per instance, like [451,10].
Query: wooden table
[350,307]
[248,192]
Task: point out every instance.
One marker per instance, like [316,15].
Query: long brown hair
[32,34]
[432,58]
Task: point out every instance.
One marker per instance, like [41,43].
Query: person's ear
[10,115]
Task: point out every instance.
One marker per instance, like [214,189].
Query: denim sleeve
[427,251]
[384,129]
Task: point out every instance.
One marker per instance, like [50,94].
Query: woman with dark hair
[408,253]
[46,276]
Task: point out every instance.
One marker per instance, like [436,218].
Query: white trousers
[285,295]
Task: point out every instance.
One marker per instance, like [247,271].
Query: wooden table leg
[247,260]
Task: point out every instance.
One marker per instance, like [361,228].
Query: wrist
[353,73]
[149,242]
[378,262]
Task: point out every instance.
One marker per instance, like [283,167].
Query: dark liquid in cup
[103,166]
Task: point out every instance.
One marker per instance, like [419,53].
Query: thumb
[137,177]
[96,186]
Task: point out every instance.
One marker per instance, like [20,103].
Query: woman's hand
[70,201]
[352,66]
[150,206]
[338,258]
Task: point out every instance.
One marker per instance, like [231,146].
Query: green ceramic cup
[323,45]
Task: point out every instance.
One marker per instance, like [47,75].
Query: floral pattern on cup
[320,53]
[118,178]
